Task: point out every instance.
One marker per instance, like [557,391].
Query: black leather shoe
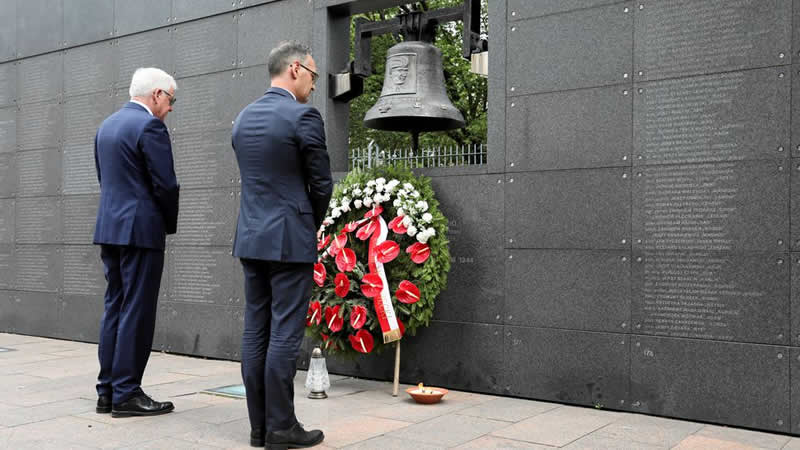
[103,404]
[295,437]
[257,437]
[141,405]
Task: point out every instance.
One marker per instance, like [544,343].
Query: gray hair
[284,54]
[147,79]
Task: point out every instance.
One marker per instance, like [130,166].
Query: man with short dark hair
[286,186]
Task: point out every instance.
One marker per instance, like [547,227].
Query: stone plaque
[8,33]
[32,313]
[203,330]
[723,117]
[83,271]
[725,382]
[206,217]
[568,51]
[39,172]
[713,206]
[88,21]
[250,86]
[795,72]
[151,49]
[89,68]
[579,209]
[7,213]
[132,17]
[8,265]
[40,26]
[205,160]
[38,220]
[80,215]
[39,125]
[210,108]
[184,10]
[8,129]
[8,80]
[8,174]
[289,20]
[573,289]
[82,117]
[525,9]
[40,78]
[39,268]
[722,296]
[687,38]
[795,299]
[205,46]
[566,366]
[80,316]
[795,377]
[795,204]
[201,275]
[473,205]
[571,129]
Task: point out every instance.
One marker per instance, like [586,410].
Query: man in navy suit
[279,143]
[138,208]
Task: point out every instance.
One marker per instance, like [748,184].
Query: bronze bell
[414,97]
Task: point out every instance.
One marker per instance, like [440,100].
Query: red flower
[342,284]
[407,292]
[366,231]
[350,227]
[402,327]
[346,260]
[323,242]
[314,314]
[371,285]
[419,252]
[374,212]
[319,274]
[397,226]
[362,342]
[326,340]
[358,316]
[386,251]
[332,318]
[338,244]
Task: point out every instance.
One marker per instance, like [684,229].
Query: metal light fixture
[317,379]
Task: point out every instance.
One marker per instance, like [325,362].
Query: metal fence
[463,155]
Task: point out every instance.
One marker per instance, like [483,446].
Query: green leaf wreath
[341,316]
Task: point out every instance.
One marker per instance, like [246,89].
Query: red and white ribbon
[383,302]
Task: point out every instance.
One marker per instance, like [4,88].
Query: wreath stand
[396,368]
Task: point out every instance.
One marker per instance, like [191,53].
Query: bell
[414,97]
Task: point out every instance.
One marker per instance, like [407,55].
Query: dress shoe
[103,404]
[295,437]
[257,437]
[141,405]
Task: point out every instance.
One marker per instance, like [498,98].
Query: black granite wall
[629,245]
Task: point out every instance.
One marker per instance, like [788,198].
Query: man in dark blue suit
[286,186]
[138,208]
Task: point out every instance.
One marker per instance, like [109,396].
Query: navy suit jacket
[286,179]
[138,187]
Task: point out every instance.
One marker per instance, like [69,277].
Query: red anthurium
[407,292]
[402,327]
[332,318]
[358,316]
[319,274]
[374,212]
[323,242]
[397,226]
[339,243]
[371,285]
[362,341]
[350,227]
[342,284]
[387,251]
[325,340]
[419,252]
[346,260]
[314,314]
[366,231]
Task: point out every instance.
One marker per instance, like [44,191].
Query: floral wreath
[367,292]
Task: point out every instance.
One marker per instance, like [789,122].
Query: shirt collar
[142,105]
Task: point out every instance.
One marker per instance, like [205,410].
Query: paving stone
[595,441]
[745,437]
[500,443]
[793,444]
[391,443]
[11,417]
[409,411]
[449,430]
[340,432]
[558,427]
[169,444]
[649,430]
[216,414]
[508,409]
[708,443]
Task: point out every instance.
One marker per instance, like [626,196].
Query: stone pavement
[47,401]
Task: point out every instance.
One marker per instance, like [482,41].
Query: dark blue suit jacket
[286,179]
[138,188]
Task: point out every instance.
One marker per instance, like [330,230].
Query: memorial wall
[628,246]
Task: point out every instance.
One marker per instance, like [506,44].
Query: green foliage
[466,90]
[430,277]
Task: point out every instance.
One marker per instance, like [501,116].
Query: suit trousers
[276,296]
[129,318]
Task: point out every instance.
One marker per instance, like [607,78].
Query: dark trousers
[129,318]
[276,297]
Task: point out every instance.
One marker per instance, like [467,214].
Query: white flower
[392,184]
[368,191]
[422,205]
[345,208]
[401,212]
[345,201]
[415,194]
[328,221]
[357,203]
[367,201]
[406,221]
[344,192]
[356,192]
[377,199]
[332,204]
[396,203]
[422,238]
[371,183]
[322,229]
[336,213]
[408,186]
[380,181]
[427,217]
[431,231]
[412,230]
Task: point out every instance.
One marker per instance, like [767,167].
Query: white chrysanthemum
[427,217]
[422,205]
[357,203]
[336,213]
[412,230]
